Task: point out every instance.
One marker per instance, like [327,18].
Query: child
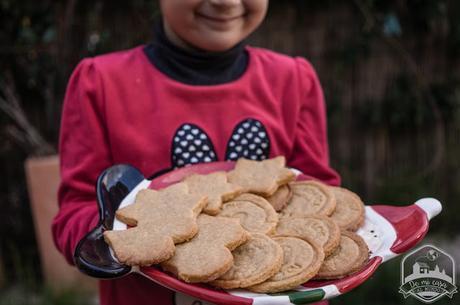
[196,94]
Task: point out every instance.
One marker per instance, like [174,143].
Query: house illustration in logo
[422,269]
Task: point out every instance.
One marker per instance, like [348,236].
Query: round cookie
[255,213]
[301,261]
[349,257]
[254,262]
[309,198]
[319,229]
[349,211]
[281,197]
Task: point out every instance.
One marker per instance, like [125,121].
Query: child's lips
[219,19]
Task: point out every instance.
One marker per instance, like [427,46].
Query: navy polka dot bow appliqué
[249,140]
[191,144]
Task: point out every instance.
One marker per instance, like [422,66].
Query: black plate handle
[92,254]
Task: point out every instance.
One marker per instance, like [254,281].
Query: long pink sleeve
[83,156]
[310,152]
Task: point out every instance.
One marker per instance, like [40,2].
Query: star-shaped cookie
[216,187]
[261,177]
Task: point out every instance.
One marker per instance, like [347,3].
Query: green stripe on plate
[306,297]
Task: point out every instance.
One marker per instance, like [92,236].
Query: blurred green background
[391,76]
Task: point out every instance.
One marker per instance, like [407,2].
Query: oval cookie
[309,198]
[254,262]
[281,197]
[254,212]
[349,210]
[301,261]
[349,257]
[319,229]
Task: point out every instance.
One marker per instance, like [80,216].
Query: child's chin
[217,45]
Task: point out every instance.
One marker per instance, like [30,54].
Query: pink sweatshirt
[120,109]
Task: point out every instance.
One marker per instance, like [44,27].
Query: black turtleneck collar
[196,67]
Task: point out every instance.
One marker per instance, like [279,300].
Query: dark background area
[390,71]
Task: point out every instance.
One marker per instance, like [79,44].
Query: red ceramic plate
[387,230]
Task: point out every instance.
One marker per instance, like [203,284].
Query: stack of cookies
[253,227]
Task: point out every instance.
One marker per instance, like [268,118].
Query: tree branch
[25,134]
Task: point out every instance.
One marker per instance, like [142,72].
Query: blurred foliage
[26,295]
[396,115]
[392,148]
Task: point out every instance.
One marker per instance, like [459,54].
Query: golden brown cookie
[208,255]
[309,198]
[216,187]
[254,212]
[261,177]
[350,256]
[319,229]
[281,197]
[301,261]
[160,219]
[349,211]
[254,262]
